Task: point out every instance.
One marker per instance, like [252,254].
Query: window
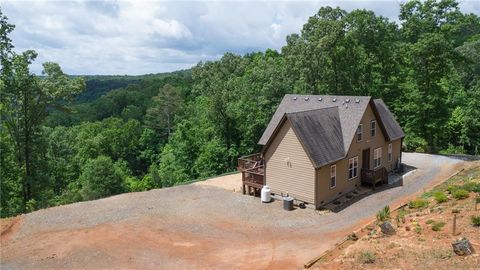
[389,152]
[373,128]
[333,176]
[352,168]
[359,132]
[377,157]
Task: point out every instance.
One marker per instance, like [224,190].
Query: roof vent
[347,100]
[357,100]
[319,99]
[294,98]
[306,98]
[334,99]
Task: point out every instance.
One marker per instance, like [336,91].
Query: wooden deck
[253,174]
[373,177]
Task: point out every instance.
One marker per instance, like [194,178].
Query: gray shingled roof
[311,125]
[393,129]
[326,125]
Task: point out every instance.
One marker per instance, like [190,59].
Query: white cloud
[137,37]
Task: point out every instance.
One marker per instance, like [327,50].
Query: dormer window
[359,133]
[373,128]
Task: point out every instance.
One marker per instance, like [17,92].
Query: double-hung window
[389,152]
[373,128]
[359,132]
[352,168]
[333,176]
[377,157]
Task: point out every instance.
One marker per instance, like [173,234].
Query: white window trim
[333,176]
[352,160]
[373,128]
[377,154]
[359,128]
[390,154]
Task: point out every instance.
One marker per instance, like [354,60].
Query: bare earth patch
[417,243]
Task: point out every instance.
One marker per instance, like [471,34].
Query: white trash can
[265,194]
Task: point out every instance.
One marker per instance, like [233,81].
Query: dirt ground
[195,226]
[415,245]
[231,182]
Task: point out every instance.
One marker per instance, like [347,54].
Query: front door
[366,159]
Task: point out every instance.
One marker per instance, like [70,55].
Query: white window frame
[333,176]
[359,132]
[377,157]
[373,128]
[353,168]
[389,155]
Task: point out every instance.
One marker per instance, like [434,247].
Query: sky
[141,37]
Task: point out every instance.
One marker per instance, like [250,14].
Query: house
[317,148]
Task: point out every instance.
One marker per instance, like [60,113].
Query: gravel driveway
[197,226]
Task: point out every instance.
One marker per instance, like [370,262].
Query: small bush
[475,221]
[452,188]
[367,257]
[460,194]
[418,229]
[418,203]
[455,210]
[477,199]
[440,197]
[383,214]
[401,216]
[472,187]
[430,221]
[437,225]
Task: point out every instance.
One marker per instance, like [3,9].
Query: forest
[66,138]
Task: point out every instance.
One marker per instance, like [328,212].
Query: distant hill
[98,85]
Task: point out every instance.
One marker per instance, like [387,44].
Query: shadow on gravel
[394,180]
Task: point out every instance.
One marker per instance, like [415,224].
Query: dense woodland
[66,138]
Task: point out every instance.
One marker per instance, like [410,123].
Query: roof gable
[392,128]
[311,125]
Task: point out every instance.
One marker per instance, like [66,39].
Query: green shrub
[440,197]
[430,221]
[383,214]
[418,229]
[418,203]
[477,199]
[452,188]
[455,210]
[401,215]
[460,194]
[367,257]
[437,225]
[475,221]
[472,187]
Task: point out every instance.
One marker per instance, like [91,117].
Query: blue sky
[139,37]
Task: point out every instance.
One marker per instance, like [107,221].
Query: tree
[160,115]
[102,177]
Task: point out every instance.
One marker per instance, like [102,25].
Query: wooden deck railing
[253,174]
[373,177]
[249,162]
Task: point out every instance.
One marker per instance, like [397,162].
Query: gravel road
[197,226]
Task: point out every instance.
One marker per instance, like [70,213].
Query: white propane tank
[265,194]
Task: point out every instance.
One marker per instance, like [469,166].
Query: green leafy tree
[102,177]
[160,115]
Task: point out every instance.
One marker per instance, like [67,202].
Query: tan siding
[288,168]
[324,193]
